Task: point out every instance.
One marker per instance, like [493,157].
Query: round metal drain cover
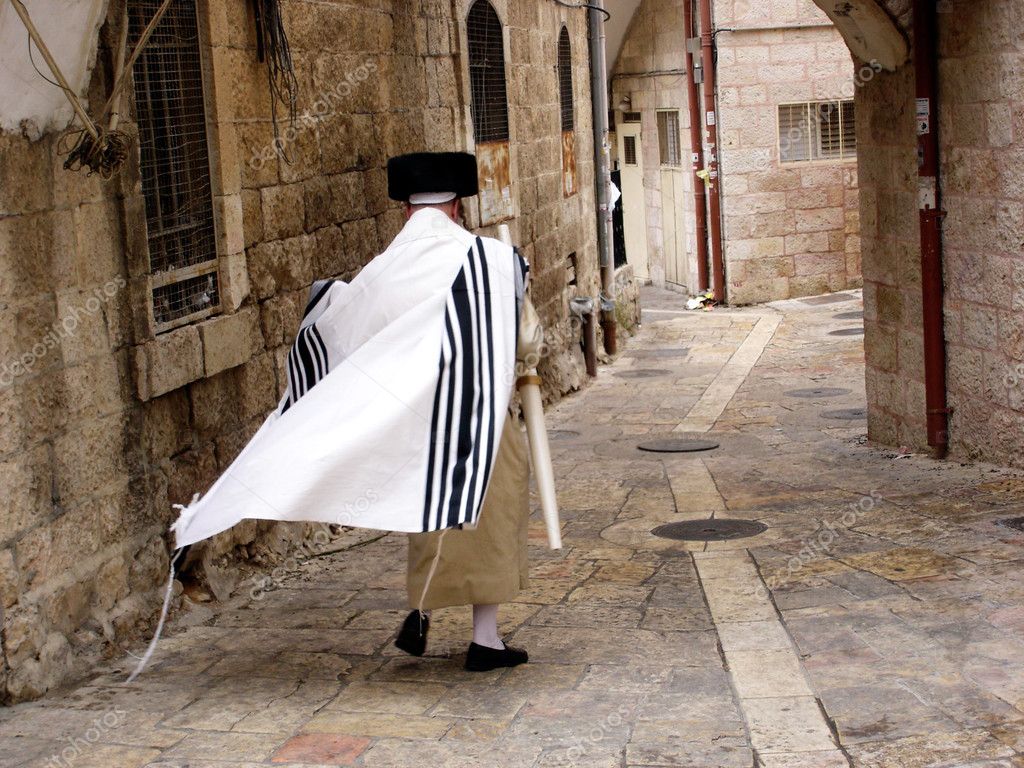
[678,446]
[846,414]
[849,316]
[1015,523]
[710,530]
[848,332]
[642,373]
[817,392]
[562,434]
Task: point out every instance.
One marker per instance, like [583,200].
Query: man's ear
[408,210]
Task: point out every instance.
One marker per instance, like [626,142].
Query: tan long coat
[486,565]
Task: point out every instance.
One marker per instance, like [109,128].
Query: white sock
[485,627]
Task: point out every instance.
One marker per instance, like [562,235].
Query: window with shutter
[823,130]
[175,164]
[668,138]
[565,80]
[487,73]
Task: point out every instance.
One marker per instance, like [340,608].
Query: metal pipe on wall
[602,169]
[707,40]
[930,213]
[696,152]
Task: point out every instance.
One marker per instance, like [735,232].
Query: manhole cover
[848,332]
[849,316]
[642,373]
[831,298]
[677,446]
[1016,523]
[846,414]
[710,530]
[818,392]
[562,434]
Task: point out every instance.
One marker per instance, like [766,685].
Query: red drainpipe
[696,151]
[707,40]
[930,204]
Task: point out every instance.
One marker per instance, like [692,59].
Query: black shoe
[480,658]
[412,637]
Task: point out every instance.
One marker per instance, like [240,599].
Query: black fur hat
[432,172]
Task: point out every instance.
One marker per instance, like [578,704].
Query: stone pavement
[877,622]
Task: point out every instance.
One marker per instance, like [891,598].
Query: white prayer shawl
[413,364]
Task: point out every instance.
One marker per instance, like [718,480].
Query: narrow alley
[876,622]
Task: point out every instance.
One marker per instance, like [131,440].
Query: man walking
[484,565]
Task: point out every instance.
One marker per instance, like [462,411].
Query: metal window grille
[817,131]
[631,117]
[565,80]
[629,149]
[175,164]
[668,138]
[487,73]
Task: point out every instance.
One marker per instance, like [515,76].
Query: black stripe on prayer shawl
[433,445]
[471,502]
[451,376]
[456,482]
[490,372]
[464,296]
[308,363]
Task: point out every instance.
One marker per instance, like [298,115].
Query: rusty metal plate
[643,373]
[848,332]
[846,414]
[816,393]
[849,316]
[568,163]
[493,164]
[678,446]
[710,530]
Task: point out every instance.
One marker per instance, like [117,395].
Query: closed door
[634,203]
[673,200]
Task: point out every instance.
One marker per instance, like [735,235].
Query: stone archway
[871,34]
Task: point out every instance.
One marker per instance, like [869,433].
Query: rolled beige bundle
[537,434]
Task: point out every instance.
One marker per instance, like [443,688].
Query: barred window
[175,164]
[824,130]
[487,73]
[629,149]
[668,138]
[565,80]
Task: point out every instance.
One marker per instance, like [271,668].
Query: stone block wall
[791,229]
[104,423]
[982,154]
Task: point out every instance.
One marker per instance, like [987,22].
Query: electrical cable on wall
[273,49]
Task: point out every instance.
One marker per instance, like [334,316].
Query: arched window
[565,80]
[487,73]
[568,116]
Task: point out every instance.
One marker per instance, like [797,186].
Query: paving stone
[321,749]
[381,697]
[902,595]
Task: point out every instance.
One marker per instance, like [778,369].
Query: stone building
[785,116]
[144,319]
[980,105]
